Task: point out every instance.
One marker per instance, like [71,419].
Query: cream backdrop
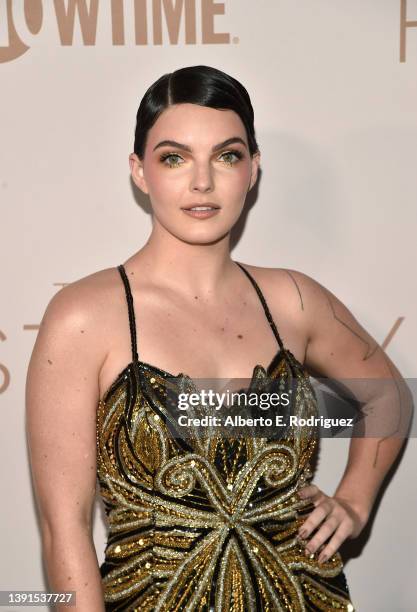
[333,85]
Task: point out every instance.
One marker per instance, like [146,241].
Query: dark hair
[201,85]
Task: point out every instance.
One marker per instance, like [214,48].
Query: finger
[314,519]
[308,491]
[323,534]
[333,545]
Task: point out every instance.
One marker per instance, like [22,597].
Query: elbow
[57,532]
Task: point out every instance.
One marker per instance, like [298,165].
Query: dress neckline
[282,351]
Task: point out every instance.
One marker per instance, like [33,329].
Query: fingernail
[302,533]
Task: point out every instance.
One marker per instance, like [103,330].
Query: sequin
[190,530]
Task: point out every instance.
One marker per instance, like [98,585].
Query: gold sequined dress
[206,524]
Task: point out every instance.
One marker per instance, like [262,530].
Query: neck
[187,267]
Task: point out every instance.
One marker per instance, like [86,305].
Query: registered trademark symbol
[235,40]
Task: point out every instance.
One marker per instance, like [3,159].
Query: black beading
[131,311]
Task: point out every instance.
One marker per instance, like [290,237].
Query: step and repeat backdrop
[334,89]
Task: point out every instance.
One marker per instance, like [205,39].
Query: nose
[202,179]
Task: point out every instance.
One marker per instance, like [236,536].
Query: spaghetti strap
[264,304]
[132,323]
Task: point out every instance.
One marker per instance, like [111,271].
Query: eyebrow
[184,147]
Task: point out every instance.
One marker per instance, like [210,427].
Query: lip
[200,204]
[201,214]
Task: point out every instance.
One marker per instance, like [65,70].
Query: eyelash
[235,152]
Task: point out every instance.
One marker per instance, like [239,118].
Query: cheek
[238,180]
[162,184]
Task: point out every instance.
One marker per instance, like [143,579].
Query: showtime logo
[23,21]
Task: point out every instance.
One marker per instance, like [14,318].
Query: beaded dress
[206,525]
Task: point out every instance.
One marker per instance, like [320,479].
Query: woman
[194,526]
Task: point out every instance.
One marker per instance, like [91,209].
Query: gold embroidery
[190,531]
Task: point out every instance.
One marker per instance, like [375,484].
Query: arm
[340,348]
[61,399]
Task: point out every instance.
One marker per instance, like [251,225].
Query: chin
[207,231]
[203,234]
[201,237]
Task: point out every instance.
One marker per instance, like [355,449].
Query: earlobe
[255,168]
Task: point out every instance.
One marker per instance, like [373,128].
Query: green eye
[167,157]
[229,155]
[229,158]
[173,160]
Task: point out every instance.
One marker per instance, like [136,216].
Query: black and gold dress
[201,524]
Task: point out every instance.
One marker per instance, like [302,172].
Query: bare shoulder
[288,291]
[307,313]
[83,301]
[336,343]
[76,326]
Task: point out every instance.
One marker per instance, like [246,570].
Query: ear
[256,158]
[136,169]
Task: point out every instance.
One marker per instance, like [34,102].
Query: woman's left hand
[338,518]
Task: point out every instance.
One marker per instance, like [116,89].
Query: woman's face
[196,155]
